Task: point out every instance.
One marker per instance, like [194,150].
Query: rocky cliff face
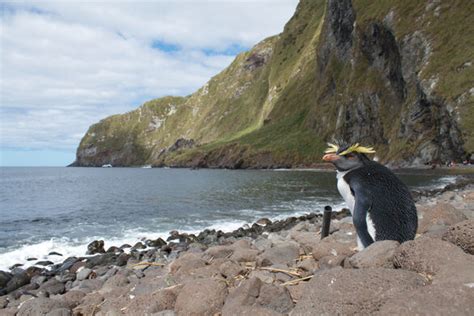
[394,75]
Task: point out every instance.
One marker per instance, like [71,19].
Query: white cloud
[65,65]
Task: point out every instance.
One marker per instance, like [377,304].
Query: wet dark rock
[264,222]
[31,259]
[44,263]
[66,265]
[101,260]
[138,245]
[122,259]
[97,246]
[16,265]
[17,281]
[157,243]
[4,278]
[114,249]
[124,246]
[54,253]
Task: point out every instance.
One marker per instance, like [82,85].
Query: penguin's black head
[346,158]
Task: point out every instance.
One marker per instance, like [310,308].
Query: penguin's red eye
[350,156]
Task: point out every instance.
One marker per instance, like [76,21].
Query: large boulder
[435,259]
[439,299]
[353,291]
[462,235]
[441,214]
[201,297]
[377,255]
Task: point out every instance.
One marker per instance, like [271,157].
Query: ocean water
[63,209]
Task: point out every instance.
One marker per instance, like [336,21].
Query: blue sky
[66,65]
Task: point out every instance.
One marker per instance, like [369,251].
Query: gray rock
[65,276]
[244,255]
[440,299]
[377,255]
[83,273]
[436,259]
[262,243]
[276,298]
[187,263]
[245,294]
[40,306]
[3,301]
[53,287]
[63,311]
[89,285]
[201,297]
[73,298]
[155,302]
[334,245]
[38,279]
[253,297]
[439,214]
[281,254]
[462,235]
[353,291]
[230,269]
[329,262]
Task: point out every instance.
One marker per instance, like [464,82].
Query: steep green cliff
[396,75]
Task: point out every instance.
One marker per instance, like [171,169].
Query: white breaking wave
[78,248]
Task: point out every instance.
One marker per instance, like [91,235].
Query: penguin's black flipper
[359,217]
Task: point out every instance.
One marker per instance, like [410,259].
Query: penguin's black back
[392,209]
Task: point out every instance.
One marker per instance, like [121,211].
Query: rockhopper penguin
[381,205]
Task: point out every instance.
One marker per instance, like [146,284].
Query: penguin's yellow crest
[351,149]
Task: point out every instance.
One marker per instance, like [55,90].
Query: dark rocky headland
[268,268]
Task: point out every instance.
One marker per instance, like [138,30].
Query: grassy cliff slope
[396,75]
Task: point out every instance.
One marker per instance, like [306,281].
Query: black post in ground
[326,221]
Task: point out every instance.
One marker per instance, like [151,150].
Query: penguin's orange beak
[330,157]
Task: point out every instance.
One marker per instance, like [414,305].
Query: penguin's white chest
[345,190]
[346,193]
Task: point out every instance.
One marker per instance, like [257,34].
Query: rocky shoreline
[268,268]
